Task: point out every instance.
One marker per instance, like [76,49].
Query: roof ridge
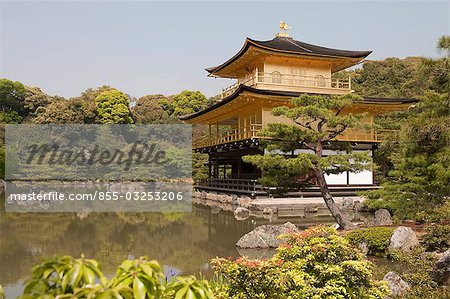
[303,48]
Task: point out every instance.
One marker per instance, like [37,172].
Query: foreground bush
[65,277]
[376,238]
[316,263]
[437,238]
[418,273]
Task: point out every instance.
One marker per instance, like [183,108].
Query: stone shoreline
[279,207]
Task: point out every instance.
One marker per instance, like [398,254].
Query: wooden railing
[252,131]
[289,81]
[236,134]
[304,81]
[247,185]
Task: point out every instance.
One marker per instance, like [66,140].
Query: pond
[182,242]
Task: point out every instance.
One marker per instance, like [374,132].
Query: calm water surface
[183,242]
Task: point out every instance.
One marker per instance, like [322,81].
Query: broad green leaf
[139,290]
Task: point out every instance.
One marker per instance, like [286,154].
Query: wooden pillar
[239,168]
[209,168]
[210,135]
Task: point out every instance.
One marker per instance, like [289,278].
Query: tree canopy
[113,107]
[12,95]
[415,161]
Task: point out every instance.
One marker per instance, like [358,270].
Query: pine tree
[315,123]
[418,186]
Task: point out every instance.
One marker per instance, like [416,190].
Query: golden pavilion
[268,74]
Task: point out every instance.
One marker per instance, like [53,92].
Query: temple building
[269,74]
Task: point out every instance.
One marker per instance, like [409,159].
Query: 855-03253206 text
[99,195]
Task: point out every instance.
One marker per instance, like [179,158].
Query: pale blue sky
[163,47]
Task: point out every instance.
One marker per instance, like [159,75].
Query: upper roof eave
[290,46]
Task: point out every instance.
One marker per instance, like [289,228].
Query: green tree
[12,95]
[36,99]
[416,161]
[199,168]
[149,109]
[316,121]
[444,44]
[419,183]
[91,94]
[61,111]
[187,102]
[113,108]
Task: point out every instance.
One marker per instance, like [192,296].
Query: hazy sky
[163,47]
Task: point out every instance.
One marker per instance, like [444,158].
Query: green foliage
[187,102]
[444,43]
[376,238]
[150,109]
[316,263]
[199,168]
[72,111]
[189,287]
[2,162]
[421,281]
[10,117]
[62,275]
[2,293]
[437,238]
[12,95]
[36,99]
[65,277]
[391,77]
[141,278]
[113,108]
[419,183]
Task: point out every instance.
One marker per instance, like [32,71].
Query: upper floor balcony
[289,82]
[253,131]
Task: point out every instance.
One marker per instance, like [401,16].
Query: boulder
[382,217]
[270,210]
[348,203]
[441,270]
[403,238]
[241,213]
[397,285]
[265,236]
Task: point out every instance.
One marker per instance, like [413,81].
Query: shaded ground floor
[227,172]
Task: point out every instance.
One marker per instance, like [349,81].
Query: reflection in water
[182,242]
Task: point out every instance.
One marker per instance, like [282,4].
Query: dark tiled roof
[292,94]
[292,46]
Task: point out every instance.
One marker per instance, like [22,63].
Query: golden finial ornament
[283,27]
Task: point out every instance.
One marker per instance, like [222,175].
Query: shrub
[418,273]
[65,277]
[316,263]
[437,238]
[376,238]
